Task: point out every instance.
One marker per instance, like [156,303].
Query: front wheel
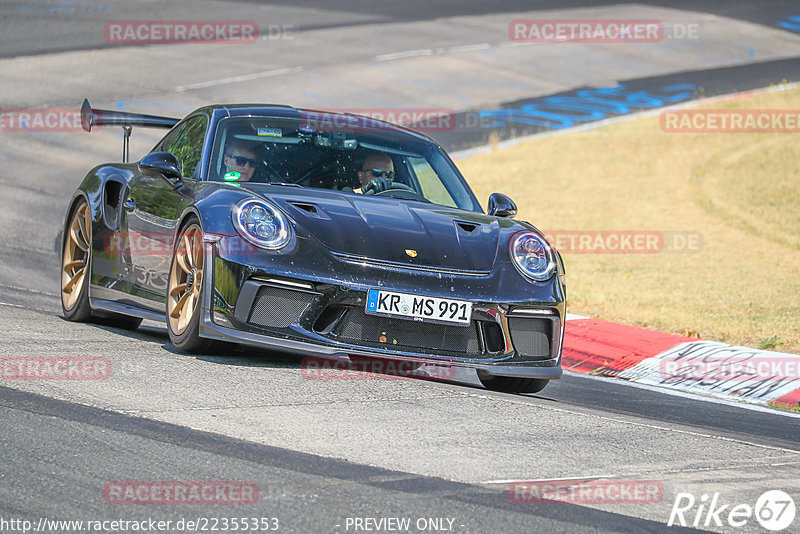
[510,384]
[184,292]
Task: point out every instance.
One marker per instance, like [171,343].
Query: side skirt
[125,309]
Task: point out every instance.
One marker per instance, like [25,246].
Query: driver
[240,157]
[376,174]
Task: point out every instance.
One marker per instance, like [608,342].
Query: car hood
[390,229]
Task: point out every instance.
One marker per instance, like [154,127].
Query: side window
[432,187]
[186,144]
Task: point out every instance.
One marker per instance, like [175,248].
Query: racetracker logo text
[624,241]
[363,119]
[180,31]
[729,364]
[180,493]
[55,368]
[40,120]
[585,31]
[586,491]
[730,121]
[371,369]
[162,244]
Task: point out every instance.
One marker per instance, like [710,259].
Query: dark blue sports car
[322,234]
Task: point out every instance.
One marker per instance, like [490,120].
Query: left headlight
[532,256]
[262,224]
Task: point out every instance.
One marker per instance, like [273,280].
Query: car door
[153,209]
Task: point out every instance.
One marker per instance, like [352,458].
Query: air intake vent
[412,336]
[278,308]
[531,337]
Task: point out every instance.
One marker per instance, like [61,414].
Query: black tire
[510,384]
[189,339]
[80,311]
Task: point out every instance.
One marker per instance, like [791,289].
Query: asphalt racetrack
[349,455]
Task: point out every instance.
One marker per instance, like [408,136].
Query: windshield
[295,152]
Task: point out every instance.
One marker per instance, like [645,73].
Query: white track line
[237,79]
[403,55]
[694,396]
[31,308]
[433,51]
[17,288]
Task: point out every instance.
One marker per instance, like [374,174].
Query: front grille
[414,336]
[406,267]
[531,336]
[275,307]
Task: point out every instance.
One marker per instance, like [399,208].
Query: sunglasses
[241,161]
[377,173]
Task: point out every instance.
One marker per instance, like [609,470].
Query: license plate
[418,307]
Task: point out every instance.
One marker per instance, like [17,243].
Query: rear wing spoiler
[103,117]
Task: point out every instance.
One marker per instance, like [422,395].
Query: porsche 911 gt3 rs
[253,224]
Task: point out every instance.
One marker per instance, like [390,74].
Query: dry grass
[741,191]
[795,408]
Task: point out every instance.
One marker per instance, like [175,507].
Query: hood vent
[311,210]
[466,226]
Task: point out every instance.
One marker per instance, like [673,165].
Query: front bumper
[323,317]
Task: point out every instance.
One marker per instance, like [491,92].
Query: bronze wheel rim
[76,256]
[185,279]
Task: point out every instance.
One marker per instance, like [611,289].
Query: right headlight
[262,224]
[532,255]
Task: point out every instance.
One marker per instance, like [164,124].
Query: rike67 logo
[774,510]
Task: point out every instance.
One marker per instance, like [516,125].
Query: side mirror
[162,165]
[502,206]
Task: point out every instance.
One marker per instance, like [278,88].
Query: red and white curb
[692,365]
